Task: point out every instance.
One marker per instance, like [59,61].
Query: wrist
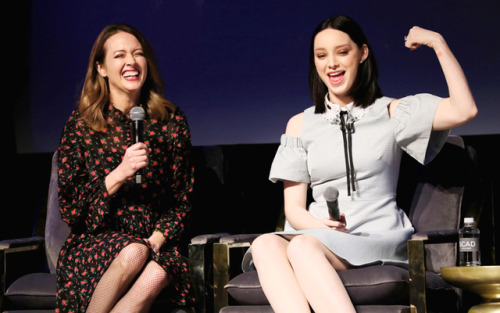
[114,181]
[159,232]
[439,45]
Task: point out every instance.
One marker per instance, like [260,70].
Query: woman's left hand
[156,241]
[418,36]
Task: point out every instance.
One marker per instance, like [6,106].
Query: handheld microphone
[137,116]
[331,194]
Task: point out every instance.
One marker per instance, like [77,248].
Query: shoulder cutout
[294,126]
[392,106]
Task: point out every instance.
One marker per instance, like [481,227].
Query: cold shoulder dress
[102,225]
[377,228]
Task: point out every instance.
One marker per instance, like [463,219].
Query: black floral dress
[102,225]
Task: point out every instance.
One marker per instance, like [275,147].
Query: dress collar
[332,111]
[116,115]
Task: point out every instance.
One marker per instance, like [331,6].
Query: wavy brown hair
[95,96]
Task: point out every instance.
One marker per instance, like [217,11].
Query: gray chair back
[437,198]
[56,230]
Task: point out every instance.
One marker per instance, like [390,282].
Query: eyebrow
[336,47]
[125,50]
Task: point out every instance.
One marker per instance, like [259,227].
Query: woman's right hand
[135,158]
[336,225]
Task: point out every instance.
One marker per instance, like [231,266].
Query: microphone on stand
[331,194]
[137,116]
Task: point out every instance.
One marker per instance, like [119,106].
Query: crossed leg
[120,275]
[300,273]
[144,291]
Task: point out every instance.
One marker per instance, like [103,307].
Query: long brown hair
[365,89]
[95,96]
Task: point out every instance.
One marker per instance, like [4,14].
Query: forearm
[83,203]
[460,107]
[299,218]
[295,201]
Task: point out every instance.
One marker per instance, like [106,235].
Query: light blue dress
[378,228]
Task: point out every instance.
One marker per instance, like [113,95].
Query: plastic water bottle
[468,249]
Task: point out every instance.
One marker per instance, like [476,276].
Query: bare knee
[304,247]
[267,245]
[263,243]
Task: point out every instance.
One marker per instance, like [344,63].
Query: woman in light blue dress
[351,140]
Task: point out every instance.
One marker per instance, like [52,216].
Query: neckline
[332,111]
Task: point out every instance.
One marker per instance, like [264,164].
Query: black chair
[35,291]
[431,195]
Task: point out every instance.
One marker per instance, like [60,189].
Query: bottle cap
[469,220]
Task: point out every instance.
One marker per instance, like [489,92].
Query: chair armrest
[240,240]
[222,265]
[10,246]
[207,238]
[417,266]
[200,251]
[437,236]
[21,244]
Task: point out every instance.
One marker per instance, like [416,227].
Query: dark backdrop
[238,68]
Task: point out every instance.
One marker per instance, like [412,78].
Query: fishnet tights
[116,282]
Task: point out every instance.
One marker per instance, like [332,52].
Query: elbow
[455,114]
[466,114]
[471,114]
[475,112]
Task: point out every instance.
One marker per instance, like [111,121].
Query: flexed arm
[460,107]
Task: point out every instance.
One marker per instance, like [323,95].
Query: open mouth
[336,77]
[130,74]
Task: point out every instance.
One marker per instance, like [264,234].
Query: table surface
[483,280]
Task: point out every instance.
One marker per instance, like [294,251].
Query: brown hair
[95,96]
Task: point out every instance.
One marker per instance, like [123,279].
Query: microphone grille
[137,114]
[331,194]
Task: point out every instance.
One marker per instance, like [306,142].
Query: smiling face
[337,59]
[125,67]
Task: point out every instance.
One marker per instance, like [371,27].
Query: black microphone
[331,194]
[137,116]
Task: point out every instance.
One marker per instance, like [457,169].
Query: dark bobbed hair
[365,89]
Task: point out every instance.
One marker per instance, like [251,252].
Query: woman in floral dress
[122,250]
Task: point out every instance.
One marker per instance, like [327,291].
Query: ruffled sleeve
[413,120]
[290,161]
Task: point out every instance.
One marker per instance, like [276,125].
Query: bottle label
[469,244]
